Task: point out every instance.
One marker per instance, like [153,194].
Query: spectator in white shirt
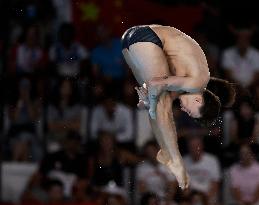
[204,170]
[244,178]
[29,54]
[113,117]
[241,61]
[67,55]
[64,114]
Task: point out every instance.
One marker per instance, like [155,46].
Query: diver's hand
[143,97]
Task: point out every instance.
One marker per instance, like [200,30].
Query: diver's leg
[165,131]
[148,61]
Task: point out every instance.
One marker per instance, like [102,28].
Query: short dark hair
[210,108]
[224,90]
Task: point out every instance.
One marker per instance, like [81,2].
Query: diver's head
[204,106]
[191,104]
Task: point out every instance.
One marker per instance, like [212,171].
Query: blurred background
[69,128]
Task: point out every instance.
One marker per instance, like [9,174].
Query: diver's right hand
[143,97]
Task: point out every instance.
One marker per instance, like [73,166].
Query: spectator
[67,164]
[244,177]
[245,125]
[64,114]
[22,125]
[160,180]
[69,159]
[67,55]
[113,117]
[24,113]
[105,162]
[241,126]
[107,57]
[55,192]
[29,55]
[203,169]
[241,61]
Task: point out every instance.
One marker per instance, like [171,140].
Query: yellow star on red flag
[90,11]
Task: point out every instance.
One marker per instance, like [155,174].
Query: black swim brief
[140,34]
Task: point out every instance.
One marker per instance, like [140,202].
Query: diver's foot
[180,173]
[177,168]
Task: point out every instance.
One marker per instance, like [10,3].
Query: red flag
[122,14]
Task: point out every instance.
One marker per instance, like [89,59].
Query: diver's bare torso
[184,55]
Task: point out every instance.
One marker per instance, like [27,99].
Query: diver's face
[191,104]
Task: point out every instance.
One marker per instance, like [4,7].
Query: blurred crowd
[71,132]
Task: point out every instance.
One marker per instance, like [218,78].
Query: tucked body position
[168,64]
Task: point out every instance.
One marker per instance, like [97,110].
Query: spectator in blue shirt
[107,57]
